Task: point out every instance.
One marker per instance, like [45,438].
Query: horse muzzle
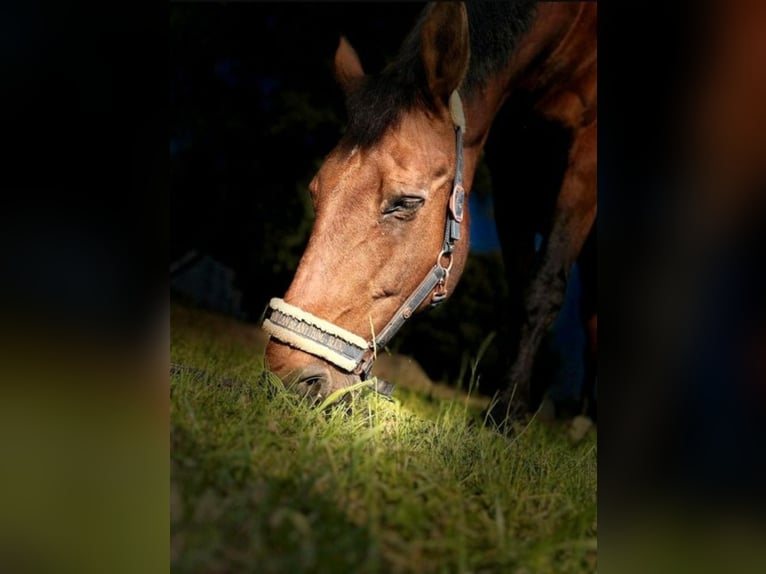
[305,374]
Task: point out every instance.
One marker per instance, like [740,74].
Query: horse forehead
[409,151]
[415,149]
[341,164]
[347,172]
[421,131]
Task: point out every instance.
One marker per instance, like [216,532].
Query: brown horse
[390,234]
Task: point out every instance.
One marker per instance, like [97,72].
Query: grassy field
[261,482]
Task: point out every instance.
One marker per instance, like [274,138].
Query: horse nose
[317,381]
[313,375]
[304,374]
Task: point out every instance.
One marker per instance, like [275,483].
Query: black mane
[377,101]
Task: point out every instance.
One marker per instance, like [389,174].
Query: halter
[346,350]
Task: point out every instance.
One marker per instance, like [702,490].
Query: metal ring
[445,253]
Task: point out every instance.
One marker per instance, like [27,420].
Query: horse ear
[348,68]
[445,48]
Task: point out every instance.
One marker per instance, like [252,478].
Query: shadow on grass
[225,518]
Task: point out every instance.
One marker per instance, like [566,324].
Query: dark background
[85,247]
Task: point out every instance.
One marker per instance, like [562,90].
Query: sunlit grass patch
[263,481]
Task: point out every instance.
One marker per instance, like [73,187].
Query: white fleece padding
[456,110]
[326,326]
[308,346]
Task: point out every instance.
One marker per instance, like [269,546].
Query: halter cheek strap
[346,350]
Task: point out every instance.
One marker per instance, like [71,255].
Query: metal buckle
[440,293]
[445,253]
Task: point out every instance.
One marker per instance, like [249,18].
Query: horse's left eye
[404,206]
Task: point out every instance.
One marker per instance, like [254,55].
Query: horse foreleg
[573,219]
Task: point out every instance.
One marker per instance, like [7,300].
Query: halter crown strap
[344,349]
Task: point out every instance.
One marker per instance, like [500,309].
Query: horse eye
[404,206]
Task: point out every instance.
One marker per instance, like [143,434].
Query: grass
[261,482]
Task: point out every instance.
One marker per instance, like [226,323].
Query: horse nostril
[312,376]
[317,382]
[313,383]
[311,380]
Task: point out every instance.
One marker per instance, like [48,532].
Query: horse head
[390,236]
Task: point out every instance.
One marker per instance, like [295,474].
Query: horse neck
[547,45]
